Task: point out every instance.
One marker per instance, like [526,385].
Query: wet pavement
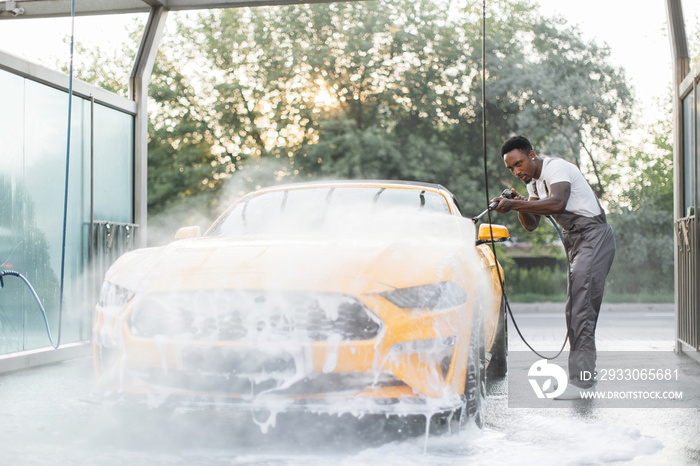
[48,415]
[644,333]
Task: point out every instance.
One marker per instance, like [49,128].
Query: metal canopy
[56,8]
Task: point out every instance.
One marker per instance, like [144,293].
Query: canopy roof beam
[59,8]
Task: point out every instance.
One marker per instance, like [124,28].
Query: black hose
[491,206]
[568,287]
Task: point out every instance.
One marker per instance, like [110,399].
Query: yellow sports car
[330,297]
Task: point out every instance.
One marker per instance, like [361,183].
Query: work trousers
[590,246]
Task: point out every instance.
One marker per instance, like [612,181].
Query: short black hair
[516,142]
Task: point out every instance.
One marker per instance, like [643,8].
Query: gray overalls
[590,246]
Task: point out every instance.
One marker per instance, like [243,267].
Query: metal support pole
[91,256]
[140,76]
[681,67]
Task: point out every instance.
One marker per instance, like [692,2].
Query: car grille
[254,316]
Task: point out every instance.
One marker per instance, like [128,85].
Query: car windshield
[315,209]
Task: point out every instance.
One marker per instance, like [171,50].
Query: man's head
[520,159]
[516,142]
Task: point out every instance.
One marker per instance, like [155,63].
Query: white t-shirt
[582,200]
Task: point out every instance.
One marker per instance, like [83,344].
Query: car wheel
[498,366]
[449,422]
[474,390]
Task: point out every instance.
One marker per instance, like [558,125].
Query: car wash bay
[49,414]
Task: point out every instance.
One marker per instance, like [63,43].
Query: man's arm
[529,221]
[530,210]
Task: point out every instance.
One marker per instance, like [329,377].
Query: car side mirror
[500,233]
[187,232]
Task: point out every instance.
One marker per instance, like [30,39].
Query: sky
[635,30]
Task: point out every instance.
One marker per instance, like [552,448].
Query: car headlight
[435,296]
[113,295]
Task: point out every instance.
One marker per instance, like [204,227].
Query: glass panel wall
[114,165]
[12,214]
[688,155]
[32,189]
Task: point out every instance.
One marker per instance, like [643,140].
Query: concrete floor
[643,334]
[47,416]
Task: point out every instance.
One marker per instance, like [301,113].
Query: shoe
[555,384]
[573,392]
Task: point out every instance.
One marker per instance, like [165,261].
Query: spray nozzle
[507,193]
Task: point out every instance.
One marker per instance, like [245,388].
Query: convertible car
[332,297]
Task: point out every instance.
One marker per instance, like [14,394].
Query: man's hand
[516,195]
[505,204]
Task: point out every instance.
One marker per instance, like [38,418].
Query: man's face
[521,164]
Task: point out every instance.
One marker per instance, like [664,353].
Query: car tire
[472,409]
[498,365]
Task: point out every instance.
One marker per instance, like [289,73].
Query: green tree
[642,217]
[182,161]
[372,90]
[181,157]
[564,92]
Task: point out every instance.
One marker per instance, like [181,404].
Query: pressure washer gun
[507,193]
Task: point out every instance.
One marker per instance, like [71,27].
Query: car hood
[308,262]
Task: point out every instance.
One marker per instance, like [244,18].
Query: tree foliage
[643,215]
[376,90]
[373,90]
[392,90]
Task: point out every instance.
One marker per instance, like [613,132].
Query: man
[557,188]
